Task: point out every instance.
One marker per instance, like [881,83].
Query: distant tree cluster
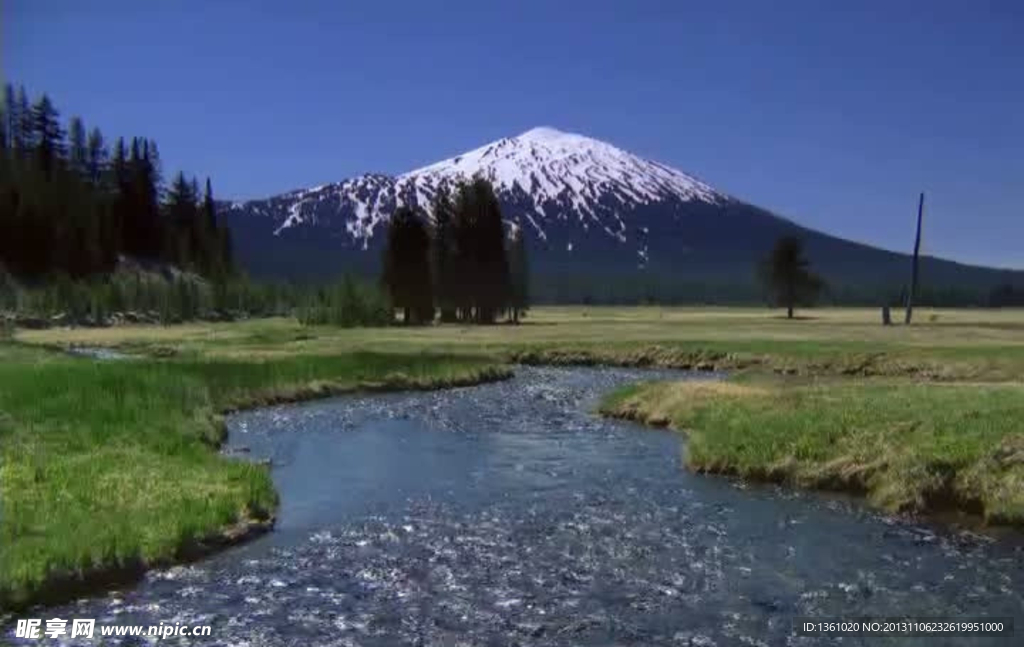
[70,204]
[464,265]
[347,303]
[1006,296]
[133,294]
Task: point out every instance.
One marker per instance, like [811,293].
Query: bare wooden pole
[917,251]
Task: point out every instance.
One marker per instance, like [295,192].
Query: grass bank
[908,446]
[109,467]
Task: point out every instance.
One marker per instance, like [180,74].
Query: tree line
[463,264]
[70,204]
[132,294]
[788,282]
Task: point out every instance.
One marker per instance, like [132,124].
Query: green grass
[943,344]
[909,446]
[112,461]
[106,463]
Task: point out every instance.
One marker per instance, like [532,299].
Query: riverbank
[111,464]
[907,446]
[110,467]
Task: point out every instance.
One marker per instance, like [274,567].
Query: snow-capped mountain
[594,215]
[541,175]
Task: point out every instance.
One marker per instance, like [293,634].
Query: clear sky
[834,114]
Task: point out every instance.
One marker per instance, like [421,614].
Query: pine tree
[148,191]
[120,163]
[214,246]
[78,148]
[481,259]
[200,239]
[156,169]
[181,216]
[444,255]
[142,225]
[120,207]
[209,208]
[95,157]
[519,299]
[11,118]
[22,125]
[786,275]
[48,135]
[407,266]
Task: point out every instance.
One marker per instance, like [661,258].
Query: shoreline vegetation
[109,467]
[908,447]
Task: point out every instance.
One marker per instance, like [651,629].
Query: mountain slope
[598,221]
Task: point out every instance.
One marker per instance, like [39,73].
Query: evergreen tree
[181,216]
[481,261]
[212,234]
[209,208]
[95,157]
[22,133]
[407,266]
[78,148]
[519,299]
[444,255]
[12,122]
[786,275]
[147,194]
[200,238]
[48,136]
[156,169]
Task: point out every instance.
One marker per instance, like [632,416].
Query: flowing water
[508,514]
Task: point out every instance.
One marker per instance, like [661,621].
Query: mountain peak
[544,133]
[544,174]
[551,167]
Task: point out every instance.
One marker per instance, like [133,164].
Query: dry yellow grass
[943,344]
[582,324]
[908,446]
[659,403]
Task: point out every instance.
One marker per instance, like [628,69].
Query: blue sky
[833,114]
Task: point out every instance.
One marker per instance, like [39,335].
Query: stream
[509,514]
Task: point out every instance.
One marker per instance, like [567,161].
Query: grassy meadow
[942,344]
[110,463]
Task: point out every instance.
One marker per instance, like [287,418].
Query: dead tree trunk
[913,271]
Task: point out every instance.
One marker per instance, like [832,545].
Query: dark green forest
[73,204]
[91,233]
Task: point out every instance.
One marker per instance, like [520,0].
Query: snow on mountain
[544,173]
[597,221]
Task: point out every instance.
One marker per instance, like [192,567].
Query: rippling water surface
[508,514]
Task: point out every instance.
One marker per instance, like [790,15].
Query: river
[509,514]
